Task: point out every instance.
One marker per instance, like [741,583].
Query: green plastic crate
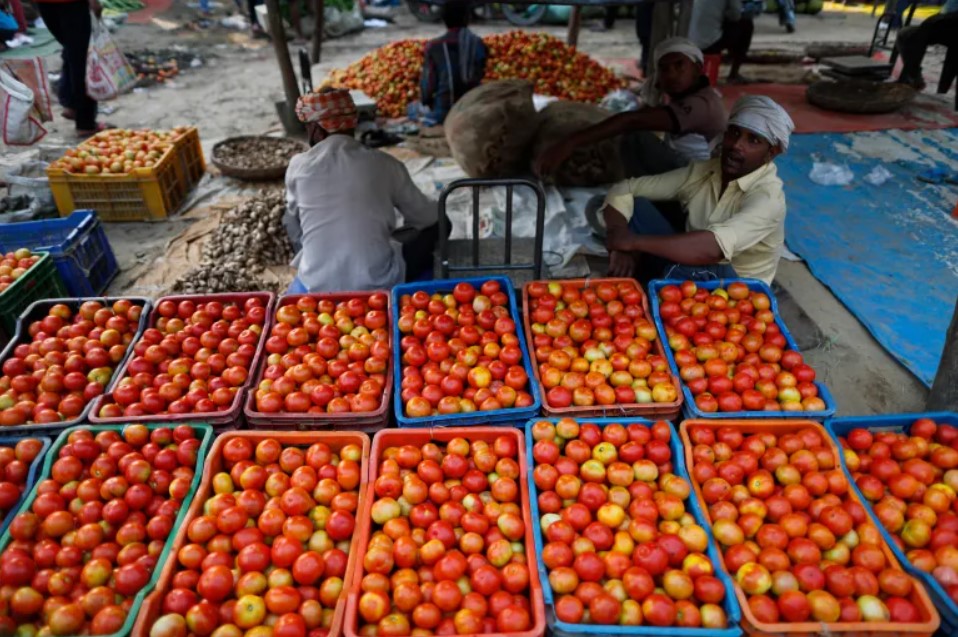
[205,434]
[39,282]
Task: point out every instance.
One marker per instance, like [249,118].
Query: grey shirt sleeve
[291,217]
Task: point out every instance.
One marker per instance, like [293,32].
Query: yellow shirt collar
[743,183]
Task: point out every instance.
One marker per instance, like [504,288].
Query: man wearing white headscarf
[692,119]
[735,226]
[341,204]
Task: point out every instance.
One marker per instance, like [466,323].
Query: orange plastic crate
[152,607]
[919,597]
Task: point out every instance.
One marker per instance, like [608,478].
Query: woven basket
[268,173]
[859,96]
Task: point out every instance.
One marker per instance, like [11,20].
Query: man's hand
[96,8]
[549,160]
[621,264]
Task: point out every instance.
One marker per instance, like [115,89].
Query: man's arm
[291,220]
[646,119]
[417,210]
[427,80]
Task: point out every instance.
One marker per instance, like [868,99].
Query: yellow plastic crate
[145,194]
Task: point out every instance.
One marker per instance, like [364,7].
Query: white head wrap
[679,45]
[764,117]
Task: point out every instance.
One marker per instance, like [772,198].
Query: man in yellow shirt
[735,225]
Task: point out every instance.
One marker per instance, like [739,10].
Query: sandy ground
[234,92]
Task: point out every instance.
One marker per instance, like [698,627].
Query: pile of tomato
[14,265]
[92,536]
[15,464]
[620,545]
[326,357]
[800,546]
[118,151]
[391,73]
[268,554]
[69,361]
[911,482]
[446,550]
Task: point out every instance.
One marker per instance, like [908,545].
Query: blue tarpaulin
[888,252]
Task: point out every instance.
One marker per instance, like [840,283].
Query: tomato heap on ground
[594,344]
[68,362]
[268,555]
[732,354]
[92,537]
[14,470]
[446,551]
[798,544]
[911,481]
[14,265]
[326,357]
[194,360]
[460,352]
[620,546]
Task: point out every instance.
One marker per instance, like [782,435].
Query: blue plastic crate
[690,409]
[558,628]
[35,466]
[499,416]
[839,427]
[78,245]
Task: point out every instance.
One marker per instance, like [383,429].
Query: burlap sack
[589,165]
[489,130]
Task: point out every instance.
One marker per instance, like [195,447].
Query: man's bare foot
[84,133]
[68,113]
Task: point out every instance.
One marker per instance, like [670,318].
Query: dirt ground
[234,90]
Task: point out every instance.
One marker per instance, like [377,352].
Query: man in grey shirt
[717,25]
[341,203]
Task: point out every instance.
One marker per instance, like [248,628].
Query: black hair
[455,14]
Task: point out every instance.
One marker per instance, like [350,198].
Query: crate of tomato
[459,354]
[805,556]
[460,560]
[67,351]
[193,363]
[326,364]
[294,560]
[597,351]
[905,467]
[733,353]
[623,548]
[87,570]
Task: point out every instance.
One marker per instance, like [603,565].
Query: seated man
[454,64]
[718,25]
[736,207]
[692,119]
[341,202]
[913,42]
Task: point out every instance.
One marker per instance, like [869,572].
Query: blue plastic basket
[516,416]
[78,245]
[10,441]
[690,409]
[839,427]
[558,628]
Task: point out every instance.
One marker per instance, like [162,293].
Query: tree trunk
[575,20]
[317,49]
[944,391]
[278,36]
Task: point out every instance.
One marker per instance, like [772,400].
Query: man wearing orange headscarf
[342,200]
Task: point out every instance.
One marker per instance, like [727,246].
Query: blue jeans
[647,219]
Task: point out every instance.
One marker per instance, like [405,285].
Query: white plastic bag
[878,175]
[826,174]
[108,74]
[19,119]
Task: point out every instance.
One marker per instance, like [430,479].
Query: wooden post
[575,20]
[317,49]
[662,18]
[944,391]
[278,36]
